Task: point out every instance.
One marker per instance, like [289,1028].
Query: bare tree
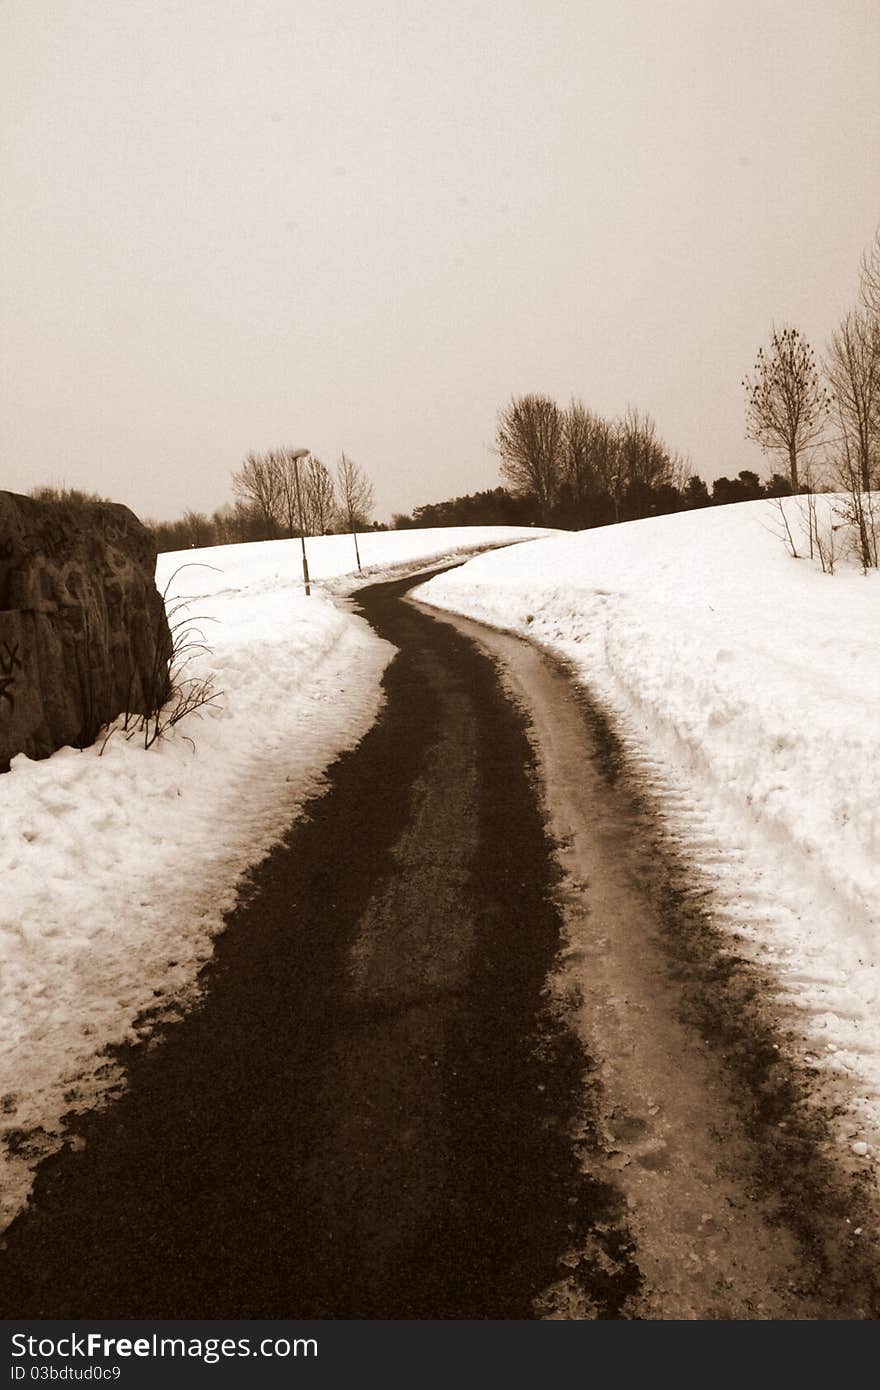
[258,482]
[591,474]
[634,469]
[321,494]
[355,493]
[247,523]
[199,530]
[584,438]
[530,440]
[606,460]
[853,369]
[786,403]
[645,463]
[871,278]
[285,470]
[858,509]
[306,509]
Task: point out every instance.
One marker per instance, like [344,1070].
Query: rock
[83,630]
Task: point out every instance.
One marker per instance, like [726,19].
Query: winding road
[466,1049]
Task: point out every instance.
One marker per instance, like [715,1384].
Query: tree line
[277,494]
[501,507]
[570,467]
[580,469]
[573,469]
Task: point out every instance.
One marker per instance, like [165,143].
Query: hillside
[747,685]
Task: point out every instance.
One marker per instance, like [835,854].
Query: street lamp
[296,456]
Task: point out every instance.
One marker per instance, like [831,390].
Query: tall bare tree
[321,495]
[258,482]
[871,278]
[786,404]
[305,503]
[606,457]
[871,302]
[580,476]
[645,462]
[853,368]
[198,527]
[591,465]
[355,494]
[530,440]
[285,469]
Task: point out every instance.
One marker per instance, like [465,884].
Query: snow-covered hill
[748,683]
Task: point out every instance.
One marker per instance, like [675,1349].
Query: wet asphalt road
[382,1107]
[369,1115]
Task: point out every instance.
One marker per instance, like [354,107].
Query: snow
[746,684]
[118,865]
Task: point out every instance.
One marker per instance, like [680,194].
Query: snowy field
[747,685]
[117,867]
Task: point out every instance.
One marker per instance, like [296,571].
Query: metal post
[299,507]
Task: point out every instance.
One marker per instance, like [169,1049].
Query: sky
[230,225]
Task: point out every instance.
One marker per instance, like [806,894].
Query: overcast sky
[233,224]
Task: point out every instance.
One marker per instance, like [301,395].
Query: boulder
[83,630]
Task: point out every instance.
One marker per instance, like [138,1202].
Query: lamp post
[296,456]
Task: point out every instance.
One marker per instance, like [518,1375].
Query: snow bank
[117,867]
[257,568]
[750,684]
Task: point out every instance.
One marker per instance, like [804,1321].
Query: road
[465,1050]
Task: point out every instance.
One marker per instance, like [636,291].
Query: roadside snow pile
[117,867]
[749,683]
